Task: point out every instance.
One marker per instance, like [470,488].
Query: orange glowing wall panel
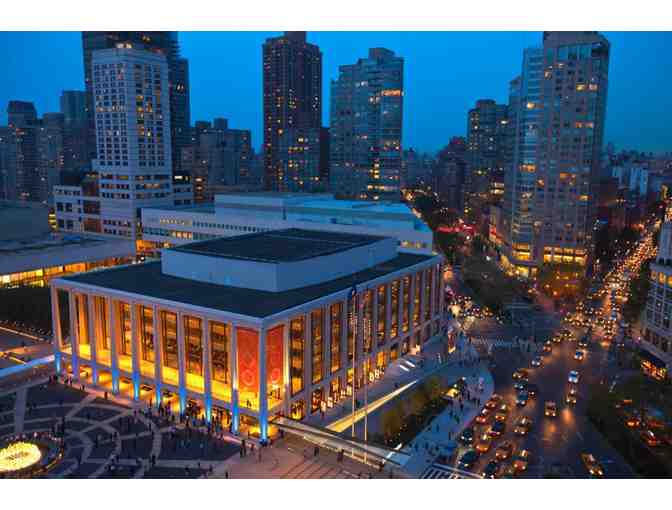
[274,356]
[248,360]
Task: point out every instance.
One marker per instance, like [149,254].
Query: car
[632,421]
[490,470]
[502,413]
[570,399]
[467,437]
[497,429]
[579,355]
[593,467]
[504,450]
[650,438]
[484,416]
[546,350]
[550,409]
[521,400]
[493,401]
[532,390]
[557,339]
[573,377]
[521,374]
[521,461]
[583,343]
[520,385]
[523,426]
[537,361]
[484,443]
[468,460]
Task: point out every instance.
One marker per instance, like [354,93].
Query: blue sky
[445,73]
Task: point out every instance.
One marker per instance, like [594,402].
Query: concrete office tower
[22,171]
[292,101]
[366,127]
[548,210]
[219,158]
[487,129]
[178,78]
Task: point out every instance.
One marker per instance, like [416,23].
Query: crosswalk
[440,471]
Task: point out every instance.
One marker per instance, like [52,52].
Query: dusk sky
[445,73]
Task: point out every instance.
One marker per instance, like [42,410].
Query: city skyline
[635,76]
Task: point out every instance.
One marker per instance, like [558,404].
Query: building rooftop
[148,280]
[291,245]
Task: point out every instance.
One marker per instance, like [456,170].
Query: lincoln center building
[242,329]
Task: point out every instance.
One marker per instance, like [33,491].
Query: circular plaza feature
[26,456]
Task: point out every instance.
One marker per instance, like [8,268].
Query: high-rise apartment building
[130,87]
[178,79]
[75,131]
[548,206]
[292,109]
[366,127]
[218,158]
[487,129]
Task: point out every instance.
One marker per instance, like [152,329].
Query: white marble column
[182,381]
[286,376]
[307,357]
[74,335]
[158,354]
[57,339]
[94,334]
[135,351]
[263,385]
[233,360]
[114,342]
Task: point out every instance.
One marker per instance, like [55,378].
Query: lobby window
[219,344]
[317,343]
[147,333]
[406,305]
[297,342]
[394,327]
[82,316]
[125,323]
[381,313]
[416,299]
[101,312]
[193,334]
[352,324]
[368,321]
[336,310]
[169,329]
[428,293]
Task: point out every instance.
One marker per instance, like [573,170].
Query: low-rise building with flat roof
[242,329]
[239,214]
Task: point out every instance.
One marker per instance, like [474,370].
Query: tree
[433,388]
[392,420]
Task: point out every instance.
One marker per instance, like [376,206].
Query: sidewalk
[444,429]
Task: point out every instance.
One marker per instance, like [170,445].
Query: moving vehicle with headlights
[594,468]
[493,401]
[467,437]
[537,362]
[523,426]
[579,355]
[570,399]
[550,409]
[532,390]
[573,377]
[490,470]
[521,461]
[484,443]
[502,413]
[521,375]
[522,398]
[484,416]
[468,460]
[504,450]
[497,429]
